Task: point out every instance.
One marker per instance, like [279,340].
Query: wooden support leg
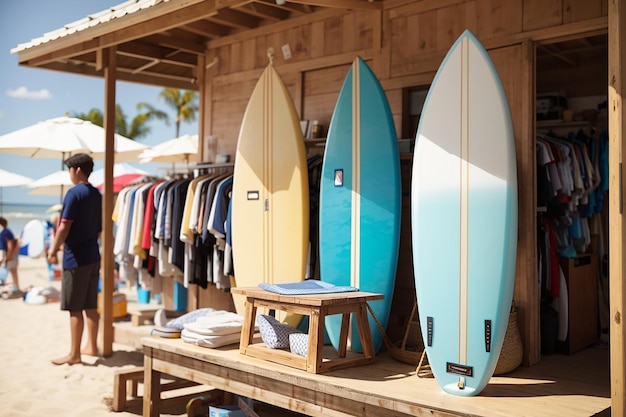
[119,394]
[247,332]
[364,332]
[343,335]
[316,341]
[122,381]
[151,386]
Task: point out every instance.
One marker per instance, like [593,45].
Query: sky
[29,95]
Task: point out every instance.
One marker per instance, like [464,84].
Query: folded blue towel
[310,286]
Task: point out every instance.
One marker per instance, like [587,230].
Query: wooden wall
[404,44]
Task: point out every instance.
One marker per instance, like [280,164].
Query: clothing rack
[207,167]
[143,180]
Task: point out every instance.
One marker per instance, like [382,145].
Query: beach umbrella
[11,179]
[56,183]
[55,208]
[123,174]
[64,136]
[180,149]
[59,182]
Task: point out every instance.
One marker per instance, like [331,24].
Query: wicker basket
[410,348]
[512,349]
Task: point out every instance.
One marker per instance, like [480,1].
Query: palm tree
[94,116]
[184,102]
[138,126]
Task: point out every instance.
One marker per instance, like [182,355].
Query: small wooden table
[317,307]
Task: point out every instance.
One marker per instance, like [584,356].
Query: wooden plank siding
[405,44]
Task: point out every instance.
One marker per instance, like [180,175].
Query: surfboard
[360,198]
[270,199]
[33,239]
[464,218]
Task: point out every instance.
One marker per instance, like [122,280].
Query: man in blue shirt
[9,251]
[79,230]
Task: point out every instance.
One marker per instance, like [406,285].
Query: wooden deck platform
[575,385]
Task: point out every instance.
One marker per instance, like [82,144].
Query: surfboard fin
[488,335]
[429,321]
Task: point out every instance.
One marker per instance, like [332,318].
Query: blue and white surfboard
[360,198]
[464,218]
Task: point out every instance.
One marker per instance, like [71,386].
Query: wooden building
[220,47]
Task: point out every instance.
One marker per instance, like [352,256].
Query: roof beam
[211,30]
[264,11]
[291,6]
[149,52]
[126,74]
[44,58]
[264,7]
[120,30]
[278,26]
[176,43]
[235,19]
[226,4]
[343,4]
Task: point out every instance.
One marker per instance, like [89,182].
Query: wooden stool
[141,317]
[125,381]
[122,379]
[317,307]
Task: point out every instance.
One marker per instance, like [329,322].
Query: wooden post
[151,386]
[106,313]
[617,236]
[526,276]
[202,130]
[193,289]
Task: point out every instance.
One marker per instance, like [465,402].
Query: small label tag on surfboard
[253,195]
[488,335]
[339,178]
[429,322]
[455,368]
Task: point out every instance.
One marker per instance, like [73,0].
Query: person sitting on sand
[78,233]
[9,251]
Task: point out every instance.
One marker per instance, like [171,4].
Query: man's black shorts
[79,290]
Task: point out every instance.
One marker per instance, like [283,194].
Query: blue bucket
[143,296]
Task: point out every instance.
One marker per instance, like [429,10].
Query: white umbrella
[11,179]
[56,183]
[123,174]
[59,182]
[54,208]
[181,149]
[63,136]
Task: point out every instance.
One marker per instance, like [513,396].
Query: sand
[32,335]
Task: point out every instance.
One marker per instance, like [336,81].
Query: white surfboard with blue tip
[464,218]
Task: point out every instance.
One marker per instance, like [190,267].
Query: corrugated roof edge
[115,12]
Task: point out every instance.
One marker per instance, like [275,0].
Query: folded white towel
[211,329]
[189,336]
[218,317]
